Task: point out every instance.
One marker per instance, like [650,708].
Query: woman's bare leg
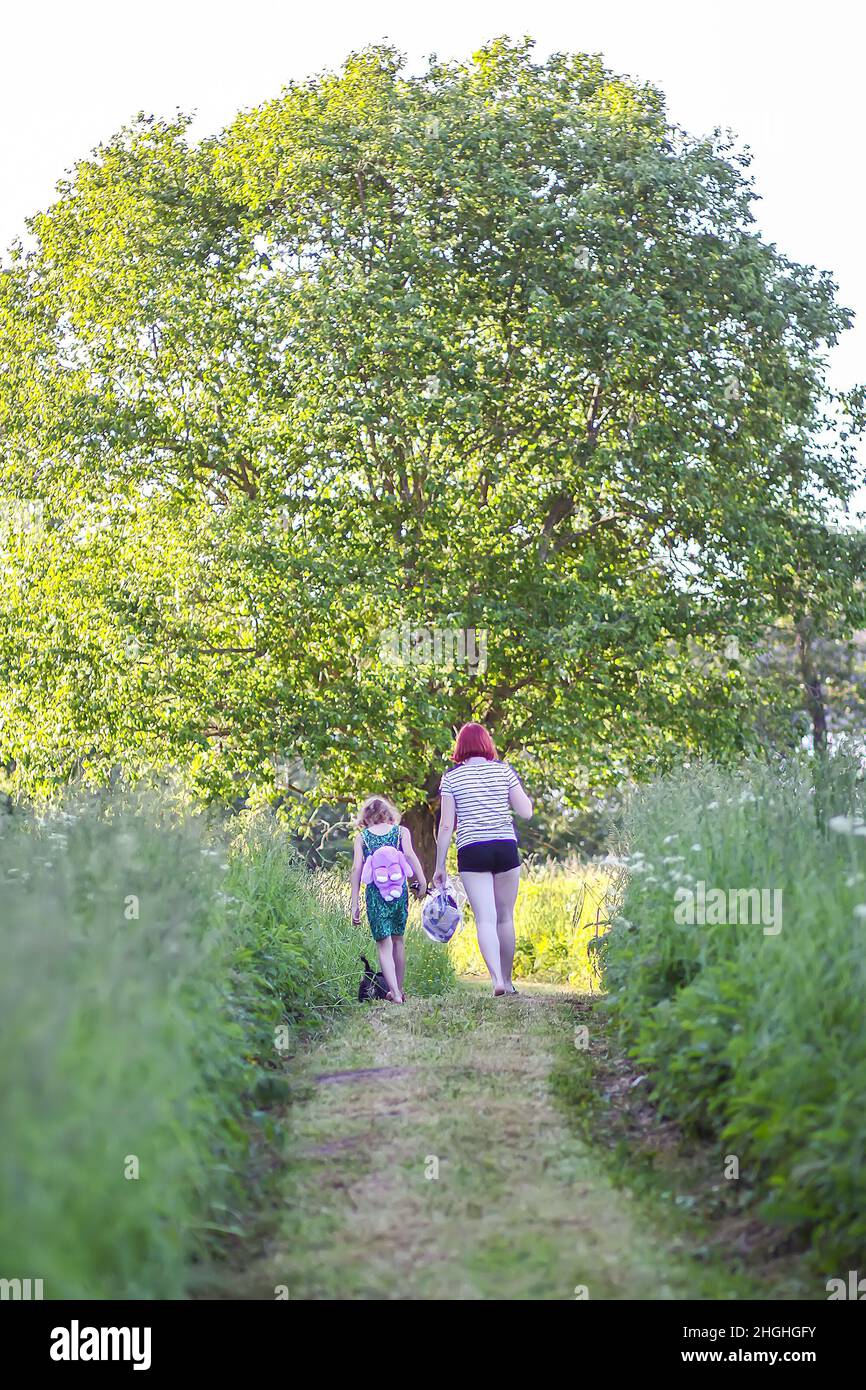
[479,891]
[505,888]
[386,965]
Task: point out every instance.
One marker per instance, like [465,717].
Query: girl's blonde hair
[375,810]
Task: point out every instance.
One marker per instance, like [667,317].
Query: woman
[479,793]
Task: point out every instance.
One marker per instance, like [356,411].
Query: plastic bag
[442,914]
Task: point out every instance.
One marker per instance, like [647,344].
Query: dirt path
[430,1161]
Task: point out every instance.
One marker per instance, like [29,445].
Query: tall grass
[429,969]
[558,913]
[756,1036]
[149,961]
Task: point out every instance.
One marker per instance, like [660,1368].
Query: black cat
[372,984]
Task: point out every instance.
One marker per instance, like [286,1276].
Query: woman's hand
[356,914]
[439,878]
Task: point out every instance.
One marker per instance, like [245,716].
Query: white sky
[787,77]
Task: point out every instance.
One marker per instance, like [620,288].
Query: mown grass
[453,1175]
[756,1037]
[560,910]
[158,968]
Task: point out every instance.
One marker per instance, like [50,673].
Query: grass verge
[158,970]
[736,975]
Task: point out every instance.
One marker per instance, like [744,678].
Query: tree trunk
[812,685]
[420,821]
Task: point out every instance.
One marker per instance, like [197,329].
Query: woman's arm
[447,821]
[519,801]
[357,869]
[417,867]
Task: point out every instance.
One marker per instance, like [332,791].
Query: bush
[556,918]
[148,963]
[756,1036]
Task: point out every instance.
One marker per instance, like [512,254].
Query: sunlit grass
[560,911]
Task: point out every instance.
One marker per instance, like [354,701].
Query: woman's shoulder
[467,774]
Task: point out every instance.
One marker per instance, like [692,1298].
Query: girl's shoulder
[368,835]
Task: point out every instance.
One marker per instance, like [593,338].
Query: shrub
[753,1036]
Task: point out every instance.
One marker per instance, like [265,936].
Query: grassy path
[521,1208]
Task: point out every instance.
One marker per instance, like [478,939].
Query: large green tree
[493,347]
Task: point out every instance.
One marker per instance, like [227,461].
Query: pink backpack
[388,869]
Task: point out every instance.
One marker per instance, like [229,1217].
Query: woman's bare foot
[393,998]
[498,991]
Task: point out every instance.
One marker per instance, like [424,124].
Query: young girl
[379,824]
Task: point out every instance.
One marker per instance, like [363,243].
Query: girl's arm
[417,866]
[447,821]
[357,869]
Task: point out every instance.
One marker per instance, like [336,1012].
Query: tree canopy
[493,347]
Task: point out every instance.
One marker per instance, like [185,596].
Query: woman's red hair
[474,741]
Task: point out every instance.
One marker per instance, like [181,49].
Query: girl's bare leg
[386,965]
[399,962]
[479,891]
[505,888]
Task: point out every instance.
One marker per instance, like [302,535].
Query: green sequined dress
[385,918]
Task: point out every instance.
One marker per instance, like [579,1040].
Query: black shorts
[488,857]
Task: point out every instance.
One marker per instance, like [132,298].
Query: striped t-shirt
[480,788]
